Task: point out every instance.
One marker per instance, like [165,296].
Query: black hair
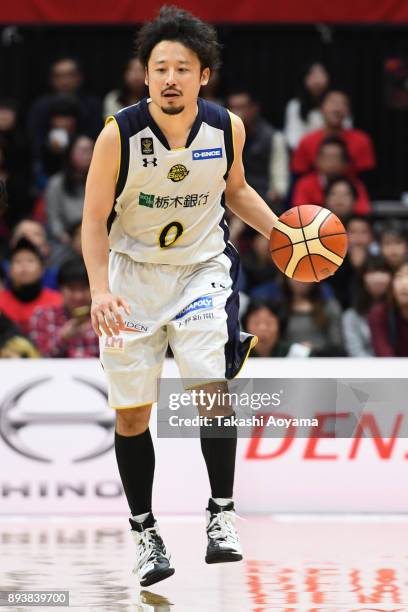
[273,307]
[65,105]
[307,101]
[338,142]
[394,228]
[340,179]
[176,24]
[356,217]
[243,91]
[362,299]
[73,270]
[25,245]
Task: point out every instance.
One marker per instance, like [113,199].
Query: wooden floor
[303,563]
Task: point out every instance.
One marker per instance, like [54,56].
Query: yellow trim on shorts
[132,406]
[254,342]
[108,120]
[233,143]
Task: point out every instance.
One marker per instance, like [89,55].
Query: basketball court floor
[293,563]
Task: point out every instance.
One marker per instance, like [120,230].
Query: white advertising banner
[57,455]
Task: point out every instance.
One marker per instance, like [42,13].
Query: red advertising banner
[234,11]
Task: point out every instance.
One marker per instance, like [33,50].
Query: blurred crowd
[319,157]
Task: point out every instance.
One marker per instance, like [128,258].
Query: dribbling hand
[105,313]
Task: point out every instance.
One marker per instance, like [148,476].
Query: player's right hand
[105,313]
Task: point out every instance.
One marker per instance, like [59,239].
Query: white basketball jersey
[170,202]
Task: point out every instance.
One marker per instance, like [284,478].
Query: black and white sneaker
[223,540]
[152,559]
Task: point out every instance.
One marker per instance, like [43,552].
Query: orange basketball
[308,243]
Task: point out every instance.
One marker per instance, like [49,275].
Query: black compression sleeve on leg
[219,446]
[136,461]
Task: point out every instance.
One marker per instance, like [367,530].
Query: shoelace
[222,526]
[152,544]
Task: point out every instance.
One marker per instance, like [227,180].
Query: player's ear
[146,77]
[205,76]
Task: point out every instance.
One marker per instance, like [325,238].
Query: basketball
[308,243]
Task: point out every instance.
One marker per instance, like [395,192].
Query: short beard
[172,110]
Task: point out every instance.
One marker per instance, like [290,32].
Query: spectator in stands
[335,108]
[66,78]
[262,319]
[35,233]
[132,89]
[394,244]
[389,320]
[26,291]
[311,320]
[303,113]
[13,137]
[360,244]
[265,156]
[63,126]
[65,330]
[259,270]
[66,190]
[341,197]
[16,184]
[332,162]
[372,288]
[18,347]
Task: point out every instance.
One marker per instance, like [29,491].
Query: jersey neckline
[159,134]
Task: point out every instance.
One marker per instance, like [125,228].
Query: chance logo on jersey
[206,154]
[203,303]
[177,173]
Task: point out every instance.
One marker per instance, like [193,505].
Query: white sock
[139,518]
[222,501]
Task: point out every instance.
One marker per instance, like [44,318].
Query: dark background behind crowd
[325,111]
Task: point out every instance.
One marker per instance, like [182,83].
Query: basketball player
[171,163]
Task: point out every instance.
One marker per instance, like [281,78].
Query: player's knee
[133,421]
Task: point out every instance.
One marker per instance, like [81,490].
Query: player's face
[174,76]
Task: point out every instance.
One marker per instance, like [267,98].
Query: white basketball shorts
[193,308]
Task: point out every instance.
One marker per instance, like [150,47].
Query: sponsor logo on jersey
[146,199]
[177,173]
[146,146]
[190,200]
[146,162]
[206,154]
[134,326]
[203,303]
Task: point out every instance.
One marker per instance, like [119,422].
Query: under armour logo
[149,161]
[215,285]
